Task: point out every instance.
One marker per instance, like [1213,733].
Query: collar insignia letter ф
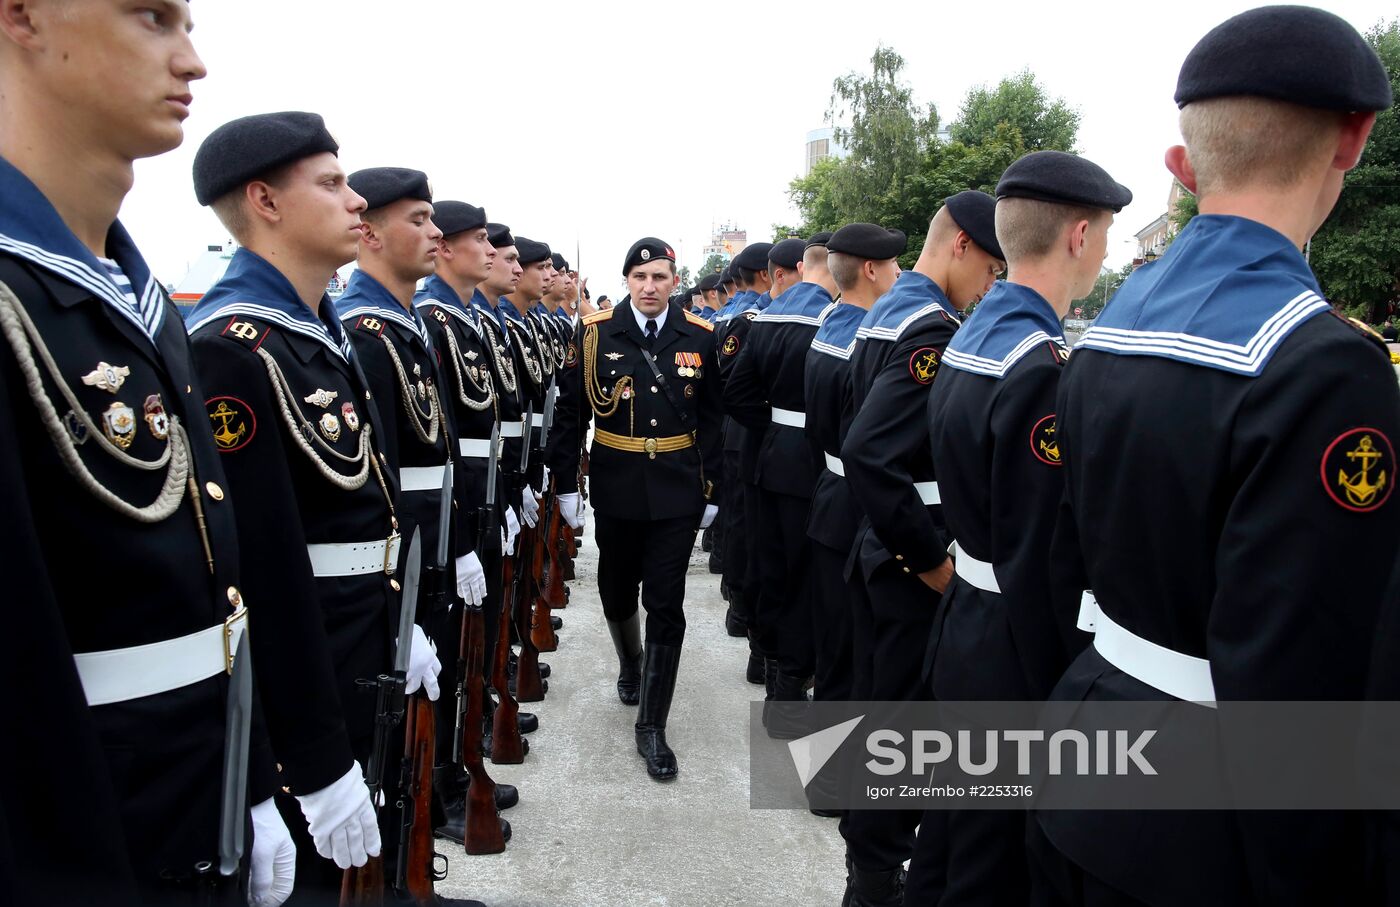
[119,424]
[321,398]
[1358,470]
[107,377]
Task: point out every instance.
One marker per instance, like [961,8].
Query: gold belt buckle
[389,554]
[650,447]
[235,617]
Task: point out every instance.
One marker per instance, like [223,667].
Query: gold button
[369,396]
[394,584]
[653,388]
[279,767]
[286,790]
[235,597]
[214,490]
[653,422]
[906,569]
[899,557]
[188,389]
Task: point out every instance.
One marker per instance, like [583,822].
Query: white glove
[341,821]
[423,665]
[529,507]
[571,509]
[272,867]
[711,511]
[471,579]
[544,483]
[509,533]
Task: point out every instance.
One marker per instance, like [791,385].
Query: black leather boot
[627,640]
[770,674]
[716,562]
[707,540]
[788,707]
[658,685]
[884,888]
[735,625]
[451,789]
[528,722]
[514,662]
[555,622]
[754,672]
[454,827]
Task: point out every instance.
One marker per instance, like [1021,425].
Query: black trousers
[901,611]
[752,583]
[831,625]
[1056,881]
[735,536]
[649,557]
[783,609]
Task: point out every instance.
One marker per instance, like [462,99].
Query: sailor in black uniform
[991,419]
[900,553]
[1220,396]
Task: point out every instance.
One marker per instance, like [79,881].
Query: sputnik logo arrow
[811,753]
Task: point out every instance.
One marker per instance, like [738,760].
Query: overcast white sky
[599,123]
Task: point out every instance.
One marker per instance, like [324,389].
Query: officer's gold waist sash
[649,446]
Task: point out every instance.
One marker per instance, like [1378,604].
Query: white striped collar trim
[1247,359]
[399,317]
[998,368]
[279,318]
[147,317]
[451,310]
[894,333]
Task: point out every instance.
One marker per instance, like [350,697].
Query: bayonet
[445,515]
[408,608]
[238,720]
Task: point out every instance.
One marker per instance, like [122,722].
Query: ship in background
[210,266]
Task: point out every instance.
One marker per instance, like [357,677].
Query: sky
[590,125]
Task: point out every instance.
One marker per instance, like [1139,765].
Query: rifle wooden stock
[415,875]
[550,588]
[568,550]
[483,832]
[363,886]
[529,686]
[507,746]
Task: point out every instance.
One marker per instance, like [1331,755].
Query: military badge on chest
[157,420]
[119,424]
[688,365]
[350,417]
[330,427]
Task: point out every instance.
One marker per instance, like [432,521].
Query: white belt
[835,466]
[928,492]
[511,429]
[974,572]
[790,418]
[354,558]
[118,675]
[474,448]
[421,478]
[1183,676]
[537,420]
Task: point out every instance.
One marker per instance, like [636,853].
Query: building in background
[822,144]
[210,267]
[727,240]
[1152,239]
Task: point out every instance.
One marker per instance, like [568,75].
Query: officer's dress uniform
[534,369]
[834,515]
[765,392]
[1260,440]
[120,531]
[734,535]
[992,434]
[299,436]
[887,462]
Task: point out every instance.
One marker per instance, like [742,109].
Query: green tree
[713,265]
[1108,283]
[1356,254]
[686,282]
[1021,103]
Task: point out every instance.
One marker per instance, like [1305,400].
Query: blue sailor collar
[912,297]
[1010,321]
[436,290]
[509,311]
[251,286]
[30,228]
[364,295]
[563,315]
[837,334]
[802,304]
[492,311]
[1227,292]
[539,308]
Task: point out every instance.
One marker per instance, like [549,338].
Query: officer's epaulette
[596,317]
[1365,330]
[699,322]
[244,330]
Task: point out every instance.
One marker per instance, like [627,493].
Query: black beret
[251,147]
[499,236]
[976,213]
[1288,53]
[458,217]
[560,262]
[696,290]
[819,239]
[754,257]
[787,253]
[380,186]
[644,250]
[726,276]
[1066,179]
[868,241]
[709,283]
[531,251]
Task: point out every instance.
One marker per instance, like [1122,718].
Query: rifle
[550,586]
[529,686]
[483,828]
[363,886]
[507,744]
[416,869]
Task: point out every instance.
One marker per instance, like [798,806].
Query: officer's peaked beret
[1066,179]
[251,147]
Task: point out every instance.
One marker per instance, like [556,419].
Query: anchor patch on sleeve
[1358,470]
[233,423]
[1043,444]
[923,365]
